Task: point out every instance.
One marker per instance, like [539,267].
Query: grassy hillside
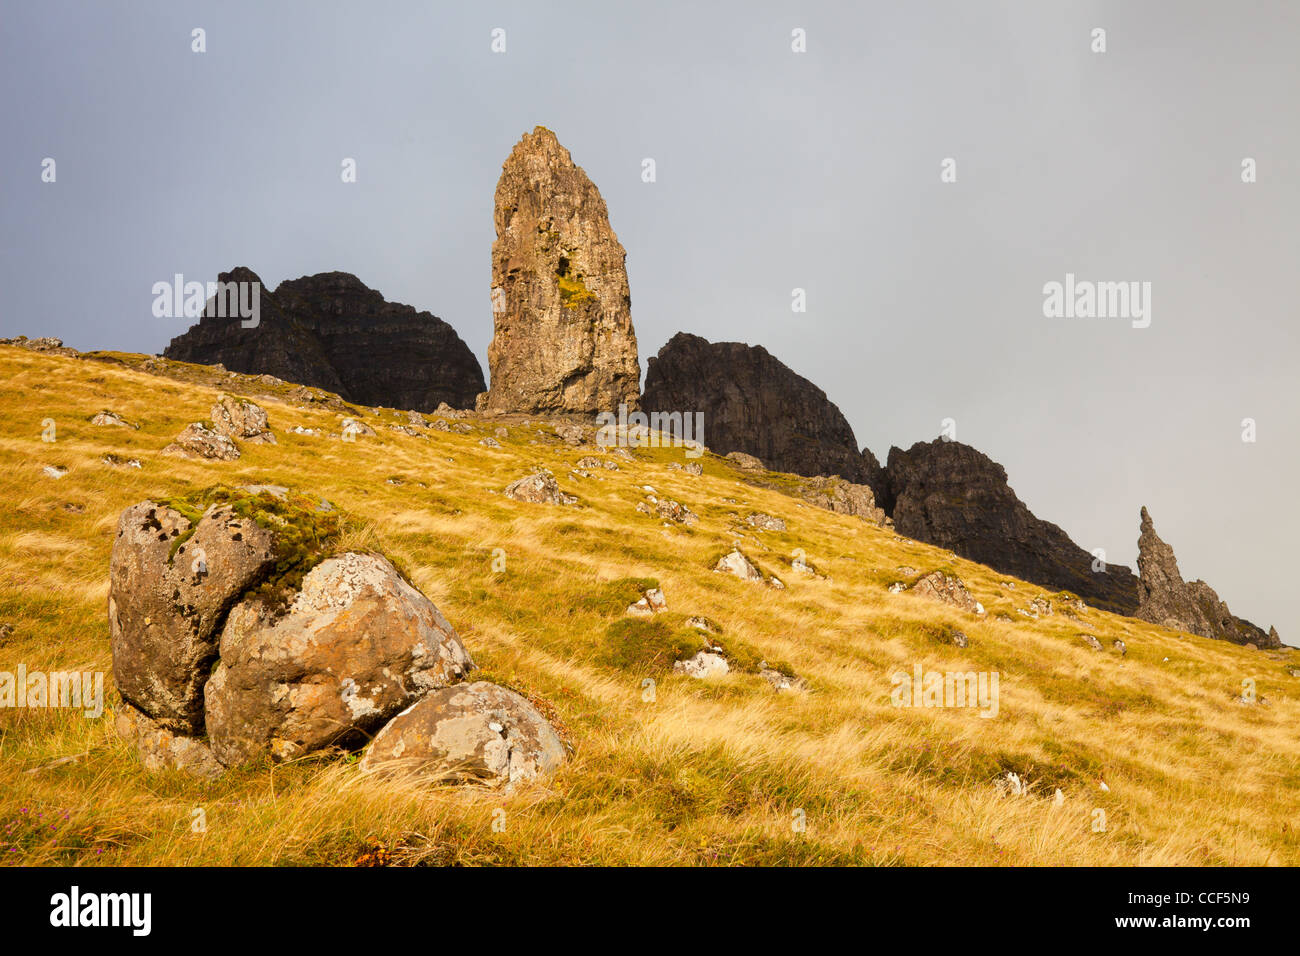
[709,772]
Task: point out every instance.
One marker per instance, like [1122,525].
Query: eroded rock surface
[1186,606]
[356,645]
[563,341]
[170,586]
[475,732]
[948,494]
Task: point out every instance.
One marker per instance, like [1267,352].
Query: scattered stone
[478,733]
[54,471]
[1041,607]
[671,510]
[355,427]
[116,461]
[780,681]
[490,442]
[357,644]
[596,463]
[745,461]
[1121,647]
[947,589]
[6,632]
[1012,786]
[694,468]
[299,430]
[241,419]
[907,570]
[704,664]
[801,565]
[651,603]
[571,434]
[503,432]
[765,522]
[162,749]
[1091,641]
[708,627]
[200,442]
[539,488]
[107,418]
[738,565]
[776,583]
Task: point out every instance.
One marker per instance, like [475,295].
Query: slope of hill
[713,771]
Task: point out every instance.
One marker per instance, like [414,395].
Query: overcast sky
[775,170]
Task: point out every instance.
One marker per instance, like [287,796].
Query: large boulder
[331,331]
[1186,606]
[170,586]
[475,732]
[356,645]
[563,339]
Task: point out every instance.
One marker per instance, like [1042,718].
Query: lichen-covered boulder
[355,646]
[475,732]
[242,419]
[170,586]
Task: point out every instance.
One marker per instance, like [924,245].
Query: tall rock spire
[563,341]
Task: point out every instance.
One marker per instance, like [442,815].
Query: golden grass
[716,772]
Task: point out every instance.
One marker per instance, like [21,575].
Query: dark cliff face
[331,331]
[1164,598]
[755,404]
[948,494]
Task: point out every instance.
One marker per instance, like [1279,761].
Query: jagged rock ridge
[755,404]
[563,340]
[331,331]
[1164,598]
[948,494]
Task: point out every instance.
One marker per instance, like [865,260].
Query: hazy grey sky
[775,170]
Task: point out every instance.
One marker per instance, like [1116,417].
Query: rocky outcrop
[563,339]
[475,732]
[241,419]
[331,331]
[1164,598]
[754,404]
[199,442]
[948,494]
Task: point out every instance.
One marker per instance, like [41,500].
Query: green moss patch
[304,536]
